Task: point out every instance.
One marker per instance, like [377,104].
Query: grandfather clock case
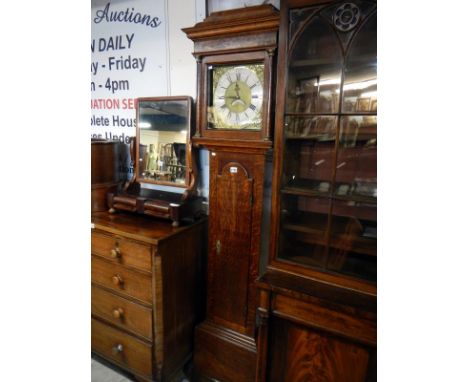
[235,52]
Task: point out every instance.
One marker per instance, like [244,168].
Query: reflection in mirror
[164,130]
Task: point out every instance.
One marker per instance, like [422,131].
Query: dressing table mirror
[164,181]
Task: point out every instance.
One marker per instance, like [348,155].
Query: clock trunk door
[230,245]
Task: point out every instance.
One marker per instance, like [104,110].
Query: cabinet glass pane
[318,128]
[310,155]
[328,212]
[315,70]
[360,83]
[356,164]
[304,222]
[353,242]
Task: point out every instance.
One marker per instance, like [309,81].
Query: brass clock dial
[237,97]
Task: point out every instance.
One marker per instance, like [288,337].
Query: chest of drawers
[144,293]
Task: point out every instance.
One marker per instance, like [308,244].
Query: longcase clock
[235,53]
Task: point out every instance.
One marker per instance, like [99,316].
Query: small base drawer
[121,251]
[121,348]
[121,312]
[121,279]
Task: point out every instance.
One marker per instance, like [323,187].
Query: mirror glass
[163,128]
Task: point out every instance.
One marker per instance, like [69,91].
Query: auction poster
[128,60]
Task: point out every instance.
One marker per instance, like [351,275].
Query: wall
[183,75]
[170,68]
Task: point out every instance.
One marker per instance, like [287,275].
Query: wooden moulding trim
[146,304]
[338,281]
[337,322]
[253,26]
[229,335]
[219,142]
[124,329]
[324,328]
[106,228]
[245,49]
[275,278]
[132,268]
[158,314]
[235,21]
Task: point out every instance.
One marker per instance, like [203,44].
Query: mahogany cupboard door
[303,354]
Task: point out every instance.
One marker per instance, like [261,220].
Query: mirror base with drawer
[165,173]
[155,203]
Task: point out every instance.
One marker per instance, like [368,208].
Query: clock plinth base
[223,354]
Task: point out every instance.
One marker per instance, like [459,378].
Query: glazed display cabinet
[327,183]
[319,290]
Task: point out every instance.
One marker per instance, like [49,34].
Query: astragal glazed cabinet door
[318,310]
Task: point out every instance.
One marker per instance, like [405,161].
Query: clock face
[237,97]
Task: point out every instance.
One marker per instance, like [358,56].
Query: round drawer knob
[115,253]
[117,349]
[118,313]
[117,280]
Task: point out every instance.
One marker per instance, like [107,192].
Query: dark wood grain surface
[317,323]
[134,355]
[148,297]
[121,251]
[140,228]
[225,341]
[122,312]
[231,232]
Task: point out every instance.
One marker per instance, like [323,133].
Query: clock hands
[238,98]
[237,88]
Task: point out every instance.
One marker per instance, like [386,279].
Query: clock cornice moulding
[235,22]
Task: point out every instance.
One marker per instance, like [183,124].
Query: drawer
[121,348]
[121,312]
[121,279]
[121,251]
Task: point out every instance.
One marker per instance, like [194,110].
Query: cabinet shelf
[308,230]
[312,62]
[300,191]
[362,136]
[325,114]
[317,61]
[313,137]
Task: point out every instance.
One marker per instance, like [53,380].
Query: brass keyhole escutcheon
[218,247]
